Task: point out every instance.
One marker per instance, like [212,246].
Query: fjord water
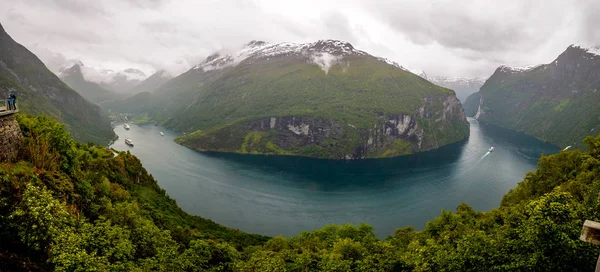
[275,195]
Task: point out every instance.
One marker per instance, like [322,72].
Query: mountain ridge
[40,91]
[91,91]
[323,99]
[555,102]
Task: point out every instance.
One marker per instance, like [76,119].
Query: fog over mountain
[464,38]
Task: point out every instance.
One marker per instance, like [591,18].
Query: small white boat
[566,148]
[126,126]
[491,149]
[128,142]
[162,134]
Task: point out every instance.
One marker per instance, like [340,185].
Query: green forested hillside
[39,91]
[558,103]
[324,99]
[71,207]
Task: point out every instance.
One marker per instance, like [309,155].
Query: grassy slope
[285,88]
[559,117]
[552,103]
[352,94]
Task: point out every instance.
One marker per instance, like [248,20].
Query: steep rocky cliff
[388,136]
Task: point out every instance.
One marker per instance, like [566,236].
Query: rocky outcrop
[10,138]
[429,127]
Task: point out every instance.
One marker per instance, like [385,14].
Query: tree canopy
[67,206]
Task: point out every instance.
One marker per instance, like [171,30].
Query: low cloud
[325,60]
[465,38]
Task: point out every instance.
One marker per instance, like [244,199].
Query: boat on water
[491,149]
[566,148]
[128,142]
[126,126]
[162,134]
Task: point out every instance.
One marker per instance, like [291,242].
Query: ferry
[491,149]
[128,142]
[126,126]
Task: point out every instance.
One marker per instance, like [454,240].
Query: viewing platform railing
[4,109]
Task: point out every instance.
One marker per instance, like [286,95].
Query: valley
[299,136]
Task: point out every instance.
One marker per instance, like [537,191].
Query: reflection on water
[284,195]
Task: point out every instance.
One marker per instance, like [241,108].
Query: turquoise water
[275,195]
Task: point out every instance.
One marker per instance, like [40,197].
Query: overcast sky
[465,38]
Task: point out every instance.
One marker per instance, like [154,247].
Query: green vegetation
[400,148]
[360,90]
[141,119]
[553,102]
[39,91]
[67,206]
[72,207]
[251,141]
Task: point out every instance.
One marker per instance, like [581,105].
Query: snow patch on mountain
[324,53]
[518,69]
[439,80]
[418,72]
[102,75]
[393,63]
[594,50]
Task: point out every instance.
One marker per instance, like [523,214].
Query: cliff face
[427,128]
[10,138]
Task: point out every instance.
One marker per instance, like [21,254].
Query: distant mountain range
[121,84]
[558,102]
[323,99]
[124,81]
[39,91]
[91,91]
[87,80]
[463,87]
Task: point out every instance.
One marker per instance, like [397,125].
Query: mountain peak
[331,46]
[255,50]
[2,29]
[75,69]
[595,50]
[255,43]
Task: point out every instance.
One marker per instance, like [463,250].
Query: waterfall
[479,109]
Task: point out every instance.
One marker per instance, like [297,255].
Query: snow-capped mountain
[116,81]
[463,87]
[324,53]
[152,83]
[308,99]
[92,91]
[123,81]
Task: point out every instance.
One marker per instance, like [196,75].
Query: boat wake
[487,153]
